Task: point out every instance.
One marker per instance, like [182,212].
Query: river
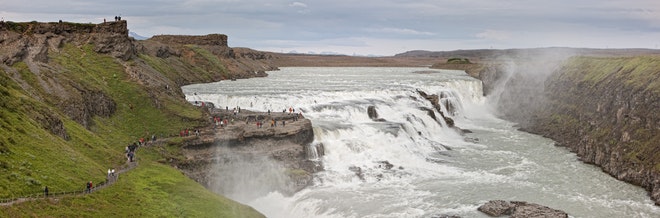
[434,170]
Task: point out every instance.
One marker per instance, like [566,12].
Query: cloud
[400,31]
[301,6]
[494,35]
[371,26]
[298,4]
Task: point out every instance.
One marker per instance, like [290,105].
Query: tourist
[283,123]
[46,191]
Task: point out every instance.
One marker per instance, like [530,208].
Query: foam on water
[435,171]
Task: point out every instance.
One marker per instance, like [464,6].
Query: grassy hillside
[32,157]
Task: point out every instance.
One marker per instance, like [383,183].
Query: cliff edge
[72,96]
[605,109]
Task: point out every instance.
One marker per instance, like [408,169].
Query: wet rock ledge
[220,149]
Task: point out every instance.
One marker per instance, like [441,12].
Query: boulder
[520,209]
[530,210]
[373,114]
[497,208]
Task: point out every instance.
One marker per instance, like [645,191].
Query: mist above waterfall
[406,163]
[519,89]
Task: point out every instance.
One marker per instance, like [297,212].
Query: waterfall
[314,151]
[406,163]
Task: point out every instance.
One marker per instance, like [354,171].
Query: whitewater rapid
[434,170]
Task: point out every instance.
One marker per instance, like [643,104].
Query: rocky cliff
[72,96]
[226,159]
[605,109]
[38,56]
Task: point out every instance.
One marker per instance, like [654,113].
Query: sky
[369,27]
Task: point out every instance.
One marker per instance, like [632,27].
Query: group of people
[187,132]
[89,187]
[218,121]
[111,175]
[130,151]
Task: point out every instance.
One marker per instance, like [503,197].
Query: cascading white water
[411,165]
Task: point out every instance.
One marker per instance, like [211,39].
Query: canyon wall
[605,109]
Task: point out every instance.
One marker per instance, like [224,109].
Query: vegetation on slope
[31,157]
[640,72]
[611,104]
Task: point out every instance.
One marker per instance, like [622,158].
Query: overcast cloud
[384,27]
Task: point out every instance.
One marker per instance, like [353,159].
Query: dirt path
[110,180]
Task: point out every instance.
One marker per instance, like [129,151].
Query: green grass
[640,72]
[31,157]
[212,63]
[150,190]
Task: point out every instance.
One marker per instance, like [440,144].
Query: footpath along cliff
[73,95]
[605,108]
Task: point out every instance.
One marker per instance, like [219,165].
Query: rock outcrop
[373,114]
[241,144]
[160,64]
[520,209]
[435,100]
[210,39]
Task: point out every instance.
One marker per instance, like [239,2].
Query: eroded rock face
[610,104]
[32,41]
[221,152]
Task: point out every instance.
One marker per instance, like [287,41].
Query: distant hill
[137,36]
[491,54]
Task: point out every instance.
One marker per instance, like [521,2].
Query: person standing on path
[46,191]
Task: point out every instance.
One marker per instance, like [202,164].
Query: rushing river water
[435,170]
